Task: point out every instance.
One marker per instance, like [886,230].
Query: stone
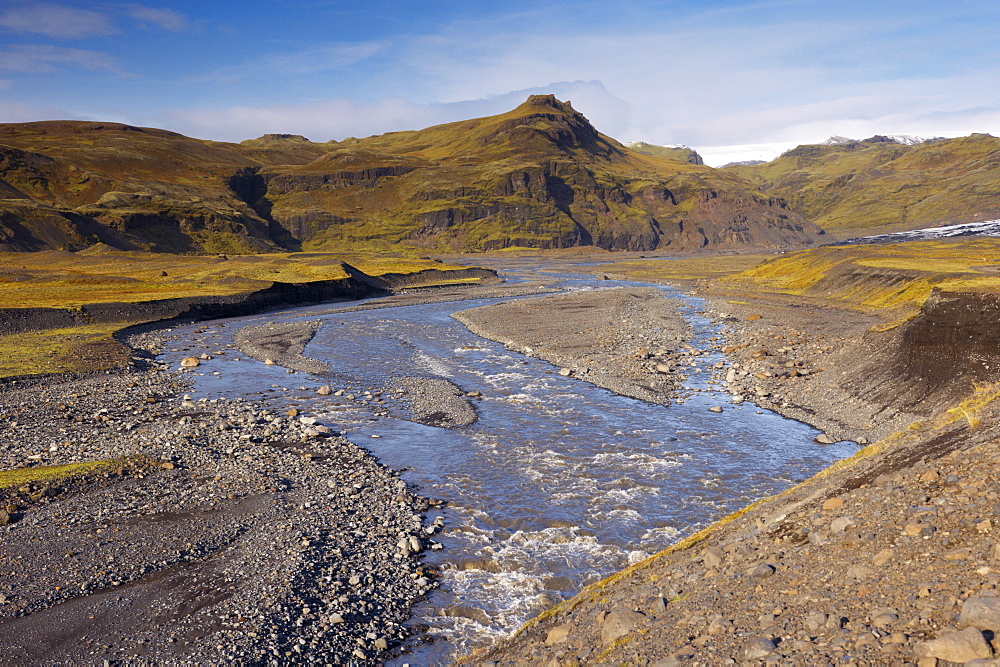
[883,557]
[885,620]
[415,546]
[841,523]
[712,557]
[758,648]
[762,571]
[559,634]
[565,372]
[961,646]
[930,476]
[715,408]
[324,390]
[859,572]
[980,612]
[815,621]
[190,362]
[293,412]
[824,439]
[833,503]
[662,368]
[720,625]
[4,518]
[617,624]
[918,529]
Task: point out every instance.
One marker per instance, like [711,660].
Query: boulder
[617,624]
[960,647]
[982,613]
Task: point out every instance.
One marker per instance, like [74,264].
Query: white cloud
[41,58]
[327,119]
[15,112]
[58,21]
[166,19]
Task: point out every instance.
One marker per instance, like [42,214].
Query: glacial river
[557,485]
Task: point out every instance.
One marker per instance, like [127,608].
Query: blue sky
[731,79]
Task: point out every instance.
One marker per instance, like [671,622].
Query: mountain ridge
[538,176]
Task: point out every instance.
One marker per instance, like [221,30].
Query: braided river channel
[557,485]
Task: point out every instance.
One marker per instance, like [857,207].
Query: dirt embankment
[277,295]
[627,340]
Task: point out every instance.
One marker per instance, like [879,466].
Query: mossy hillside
[892,280]
[681,153]
[864,186]
[69,184]
[539,176]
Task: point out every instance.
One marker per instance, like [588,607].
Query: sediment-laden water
[558,483]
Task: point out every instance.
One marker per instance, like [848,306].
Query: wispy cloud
[166,19]
[322,120]
[41,58]
[57,21]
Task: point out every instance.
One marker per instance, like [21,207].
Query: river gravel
[238,534]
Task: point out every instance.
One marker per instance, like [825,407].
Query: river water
[557,485]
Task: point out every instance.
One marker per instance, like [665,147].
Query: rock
[824,439]
[833,503]
[190,362]
[712,557]
[758,648]
[324,390]
[883,557]
[465,611]
[662,368]
[762,571]
[565,372]
[859,572]
[981,612]
[269,362]
[715,408]
[415,546]
[617,624]
[930,476]
[559,634]
[4,518]
[962,646]
[815,621]
[918,529]
[884,620]
[293,412]
[841,523]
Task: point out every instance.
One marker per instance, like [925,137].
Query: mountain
[881,183]
[539,176]
[683,153]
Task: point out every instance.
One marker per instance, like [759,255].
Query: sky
[734,80]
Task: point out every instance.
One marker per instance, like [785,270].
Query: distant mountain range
[539,176]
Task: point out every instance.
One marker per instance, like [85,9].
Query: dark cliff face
[538,176]
[952,345]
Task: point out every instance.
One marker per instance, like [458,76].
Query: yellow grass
[70,281]
[50,474]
